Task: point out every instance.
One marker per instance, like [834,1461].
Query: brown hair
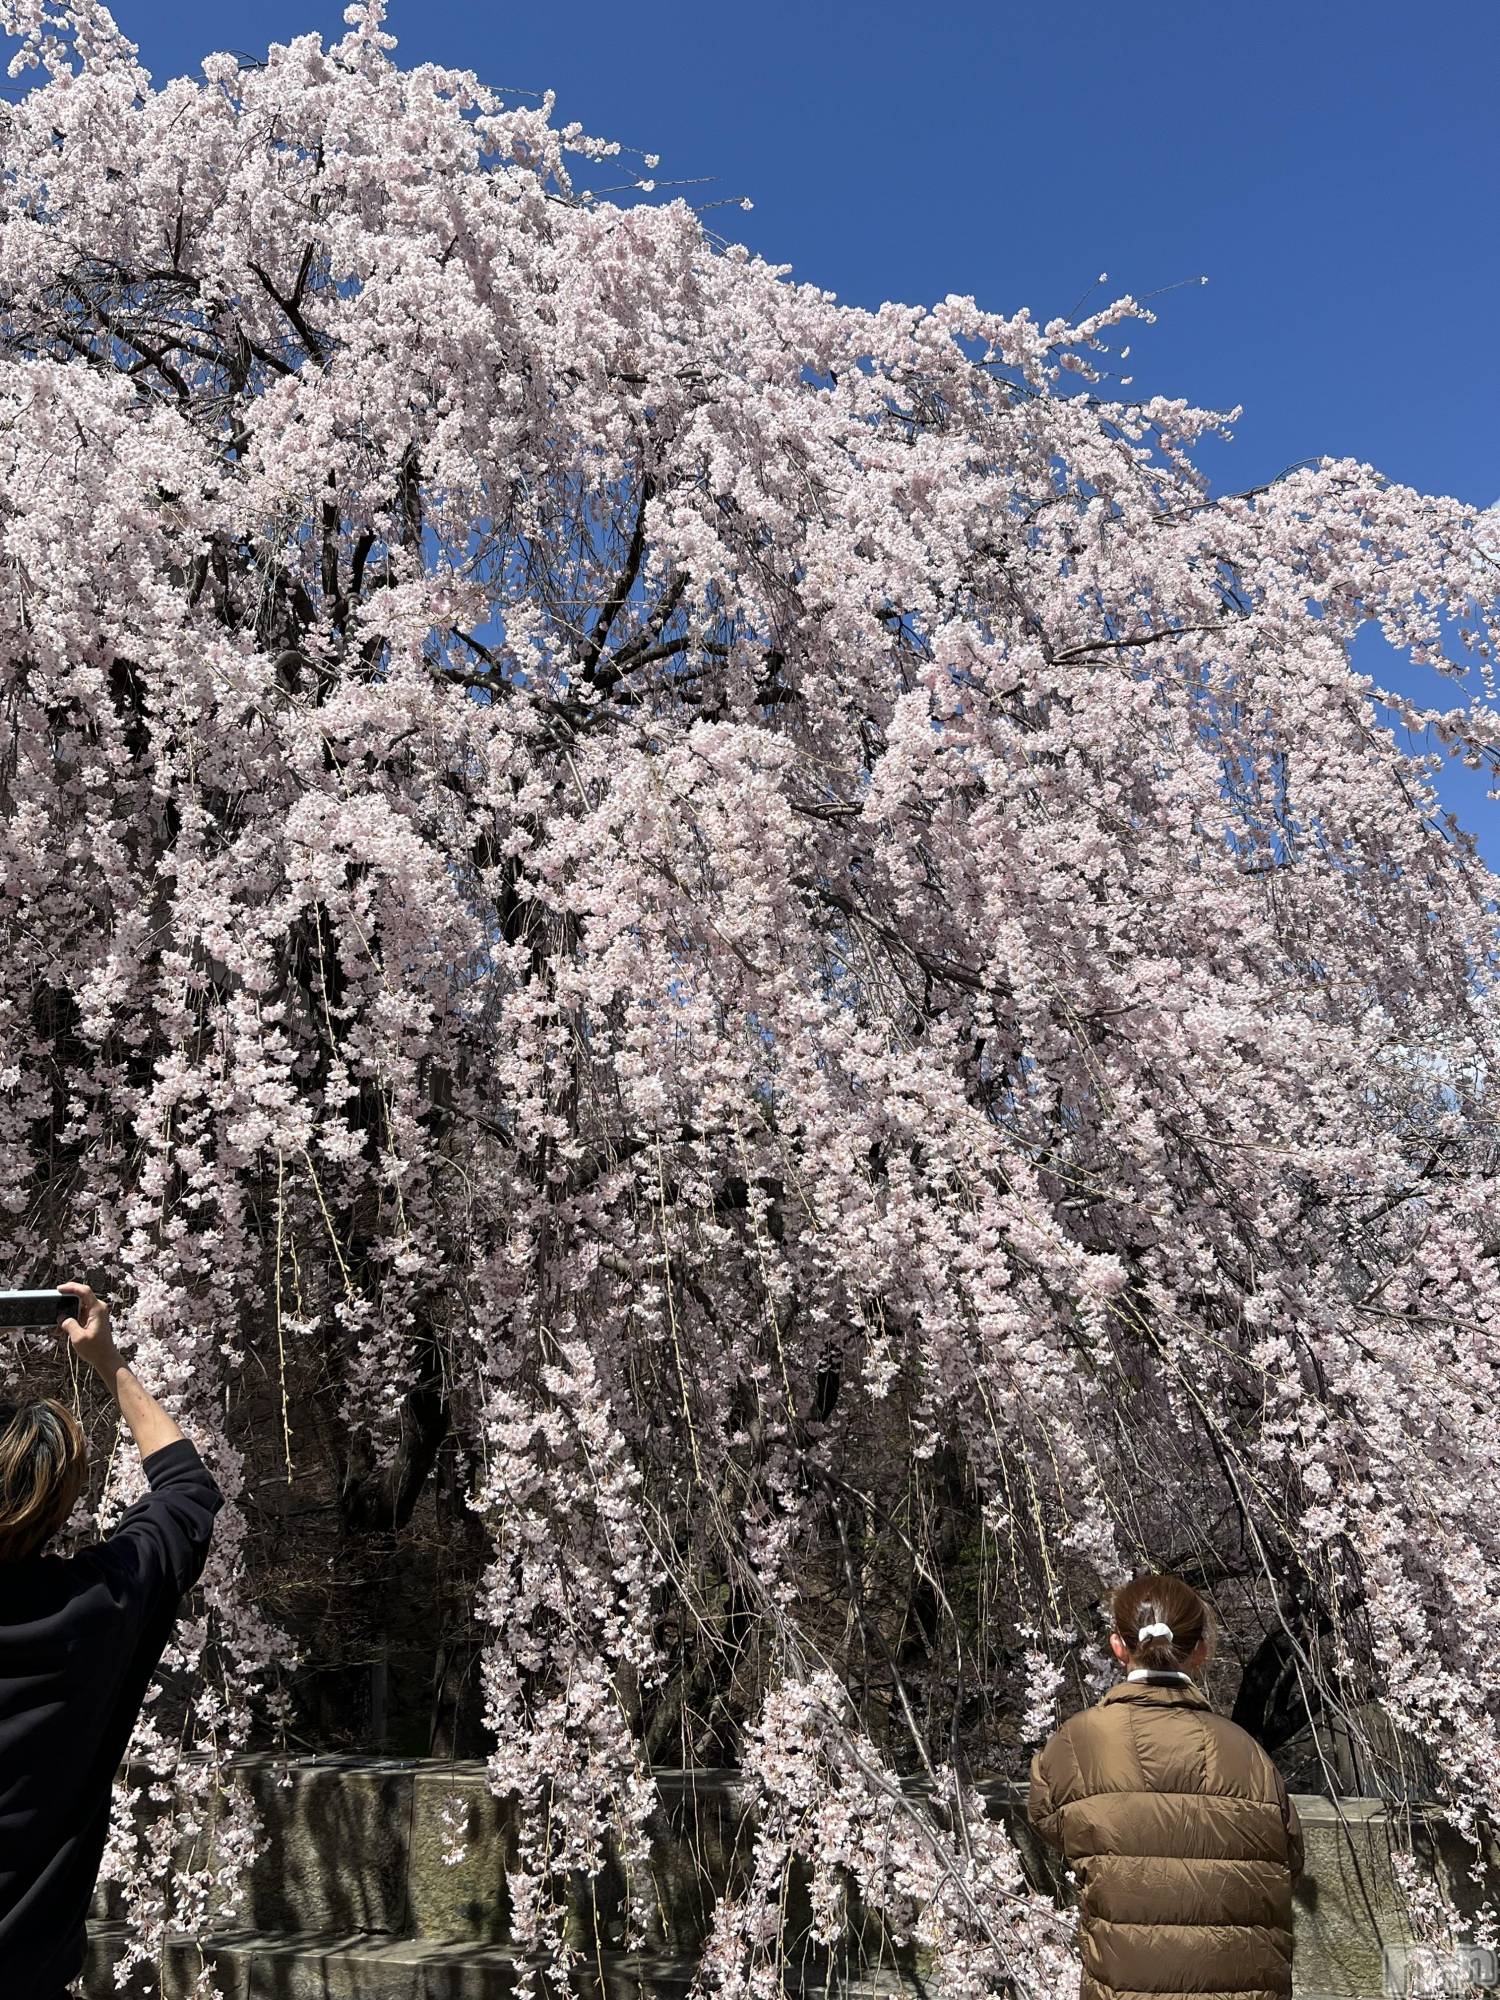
[1160,1600]
[43,1469]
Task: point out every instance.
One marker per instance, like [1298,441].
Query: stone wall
[350,1897]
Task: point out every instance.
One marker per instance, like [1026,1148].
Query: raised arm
[90,1338]
[156,1551]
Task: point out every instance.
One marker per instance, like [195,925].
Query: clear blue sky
[1329,165]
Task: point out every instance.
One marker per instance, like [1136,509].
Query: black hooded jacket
[80,1637]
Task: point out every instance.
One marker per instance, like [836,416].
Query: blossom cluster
[764,914]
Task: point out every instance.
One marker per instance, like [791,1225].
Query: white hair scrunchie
[1152,1632]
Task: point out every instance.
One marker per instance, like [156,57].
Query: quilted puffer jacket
[1183,1841]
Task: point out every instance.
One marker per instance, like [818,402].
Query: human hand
[88,1331]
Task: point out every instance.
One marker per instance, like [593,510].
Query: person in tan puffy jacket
[1175,1822]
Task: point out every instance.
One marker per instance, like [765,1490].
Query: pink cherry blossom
[766,913]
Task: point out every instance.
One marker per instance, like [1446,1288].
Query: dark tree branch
[311,340]
[624,584]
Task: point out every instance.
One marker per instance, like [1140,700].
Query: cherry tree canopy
[763,915]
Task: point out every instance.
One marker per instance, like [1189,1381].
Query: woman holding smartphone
[80,1637]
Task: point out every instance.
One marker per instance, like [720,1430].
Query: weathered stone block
[468,1899]
[1349,1907]
[333,1851]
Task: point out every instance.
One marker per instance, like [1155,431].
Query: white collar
[1156,1674]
